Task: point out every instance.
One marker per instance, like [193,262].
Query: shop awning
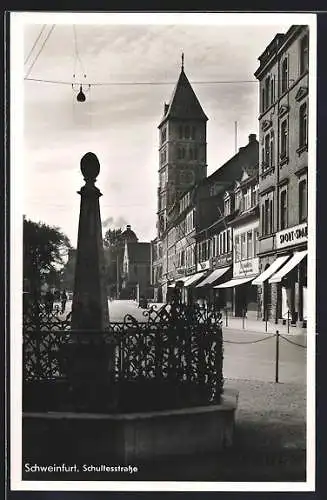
[182,278]
[193,279]
[234,282]
[271,270]
[217,273]
[294,261]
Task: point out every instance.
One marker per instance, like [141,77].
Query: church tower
[182,146]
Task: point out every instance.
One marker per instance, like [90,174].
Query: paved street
[244,358]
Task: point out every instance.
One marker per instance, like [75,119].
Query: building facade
[136,271]
[231,191]
[283,76]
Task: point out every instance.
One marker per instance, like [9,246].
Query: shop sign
[292,236]
[246,267]
[222,260]
[202,266]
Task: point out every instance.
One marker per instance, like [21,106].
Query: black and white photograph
[162,239]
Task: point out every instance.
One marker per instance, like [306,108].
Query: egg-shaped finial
[90,167]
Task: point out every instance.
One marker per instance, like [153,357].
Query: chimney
[128,226]
[252,138]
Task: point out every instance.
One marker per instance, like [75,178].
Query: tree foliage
[112,238]
[44,250]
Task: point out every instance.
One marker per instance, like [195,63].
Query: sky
[119,122]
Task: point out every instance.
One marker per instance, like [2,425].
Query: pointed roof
[184,104]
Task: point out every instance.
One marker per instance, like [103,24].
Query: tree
[113,244]
[44,251]
[112,238]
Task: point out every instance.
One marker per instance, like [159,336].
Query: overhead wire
[39,52]
[106,84]
[34,44]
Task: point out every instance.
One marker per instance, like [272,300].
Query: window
[267,92]
[249,244]
[303,124]
[283,139]
[191,154]
[266,217]
[227,206]
[237,255]
[303,202]
[267,151]
[255,195]
[272,90]
[163,155]
[243,246]
[162,178]
[163,135]
[304,54]
[285,74]
[195,153]
[283,209]
[180,131]
[193,135]
[187,132]
[272,150]
[247,199]
[262,99]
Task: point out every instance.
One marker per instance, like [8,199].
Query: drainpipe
[277,172]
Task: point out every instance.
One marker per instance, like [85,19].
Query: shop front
[290,279]
[220,270]
[245,266]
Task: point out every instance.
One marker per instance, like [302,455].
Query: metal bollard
[243,319]
[266,314]
[288,321]
[226,317]
[277,358]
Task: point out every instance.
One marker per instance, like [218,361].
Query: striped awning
[217,273]
[193,279]
[271,270]
[294,261]
[235,282]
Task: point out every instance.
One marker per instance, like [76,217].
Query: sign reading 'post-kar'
[292,236]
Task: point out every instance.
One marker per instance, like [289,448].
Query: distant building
[136,270]
[283,75]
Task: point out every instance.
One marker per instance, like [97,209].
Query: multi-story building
[284,89]
[217,209]
[182,164]
[242,202]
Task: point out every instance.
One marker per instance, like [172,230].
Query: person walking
[64,298]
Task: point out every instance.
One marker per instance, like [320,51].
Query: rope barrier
[291,342]
[252,341]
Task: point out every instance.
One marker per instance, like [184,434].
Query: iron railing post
[277,358]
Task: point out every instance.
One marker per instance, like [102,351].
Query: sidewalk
[259,326]
[251,324]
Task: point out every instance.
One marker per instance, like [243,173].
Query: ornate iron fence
[171,359]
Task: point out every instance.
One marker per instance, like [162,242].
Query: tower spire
[182,61]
